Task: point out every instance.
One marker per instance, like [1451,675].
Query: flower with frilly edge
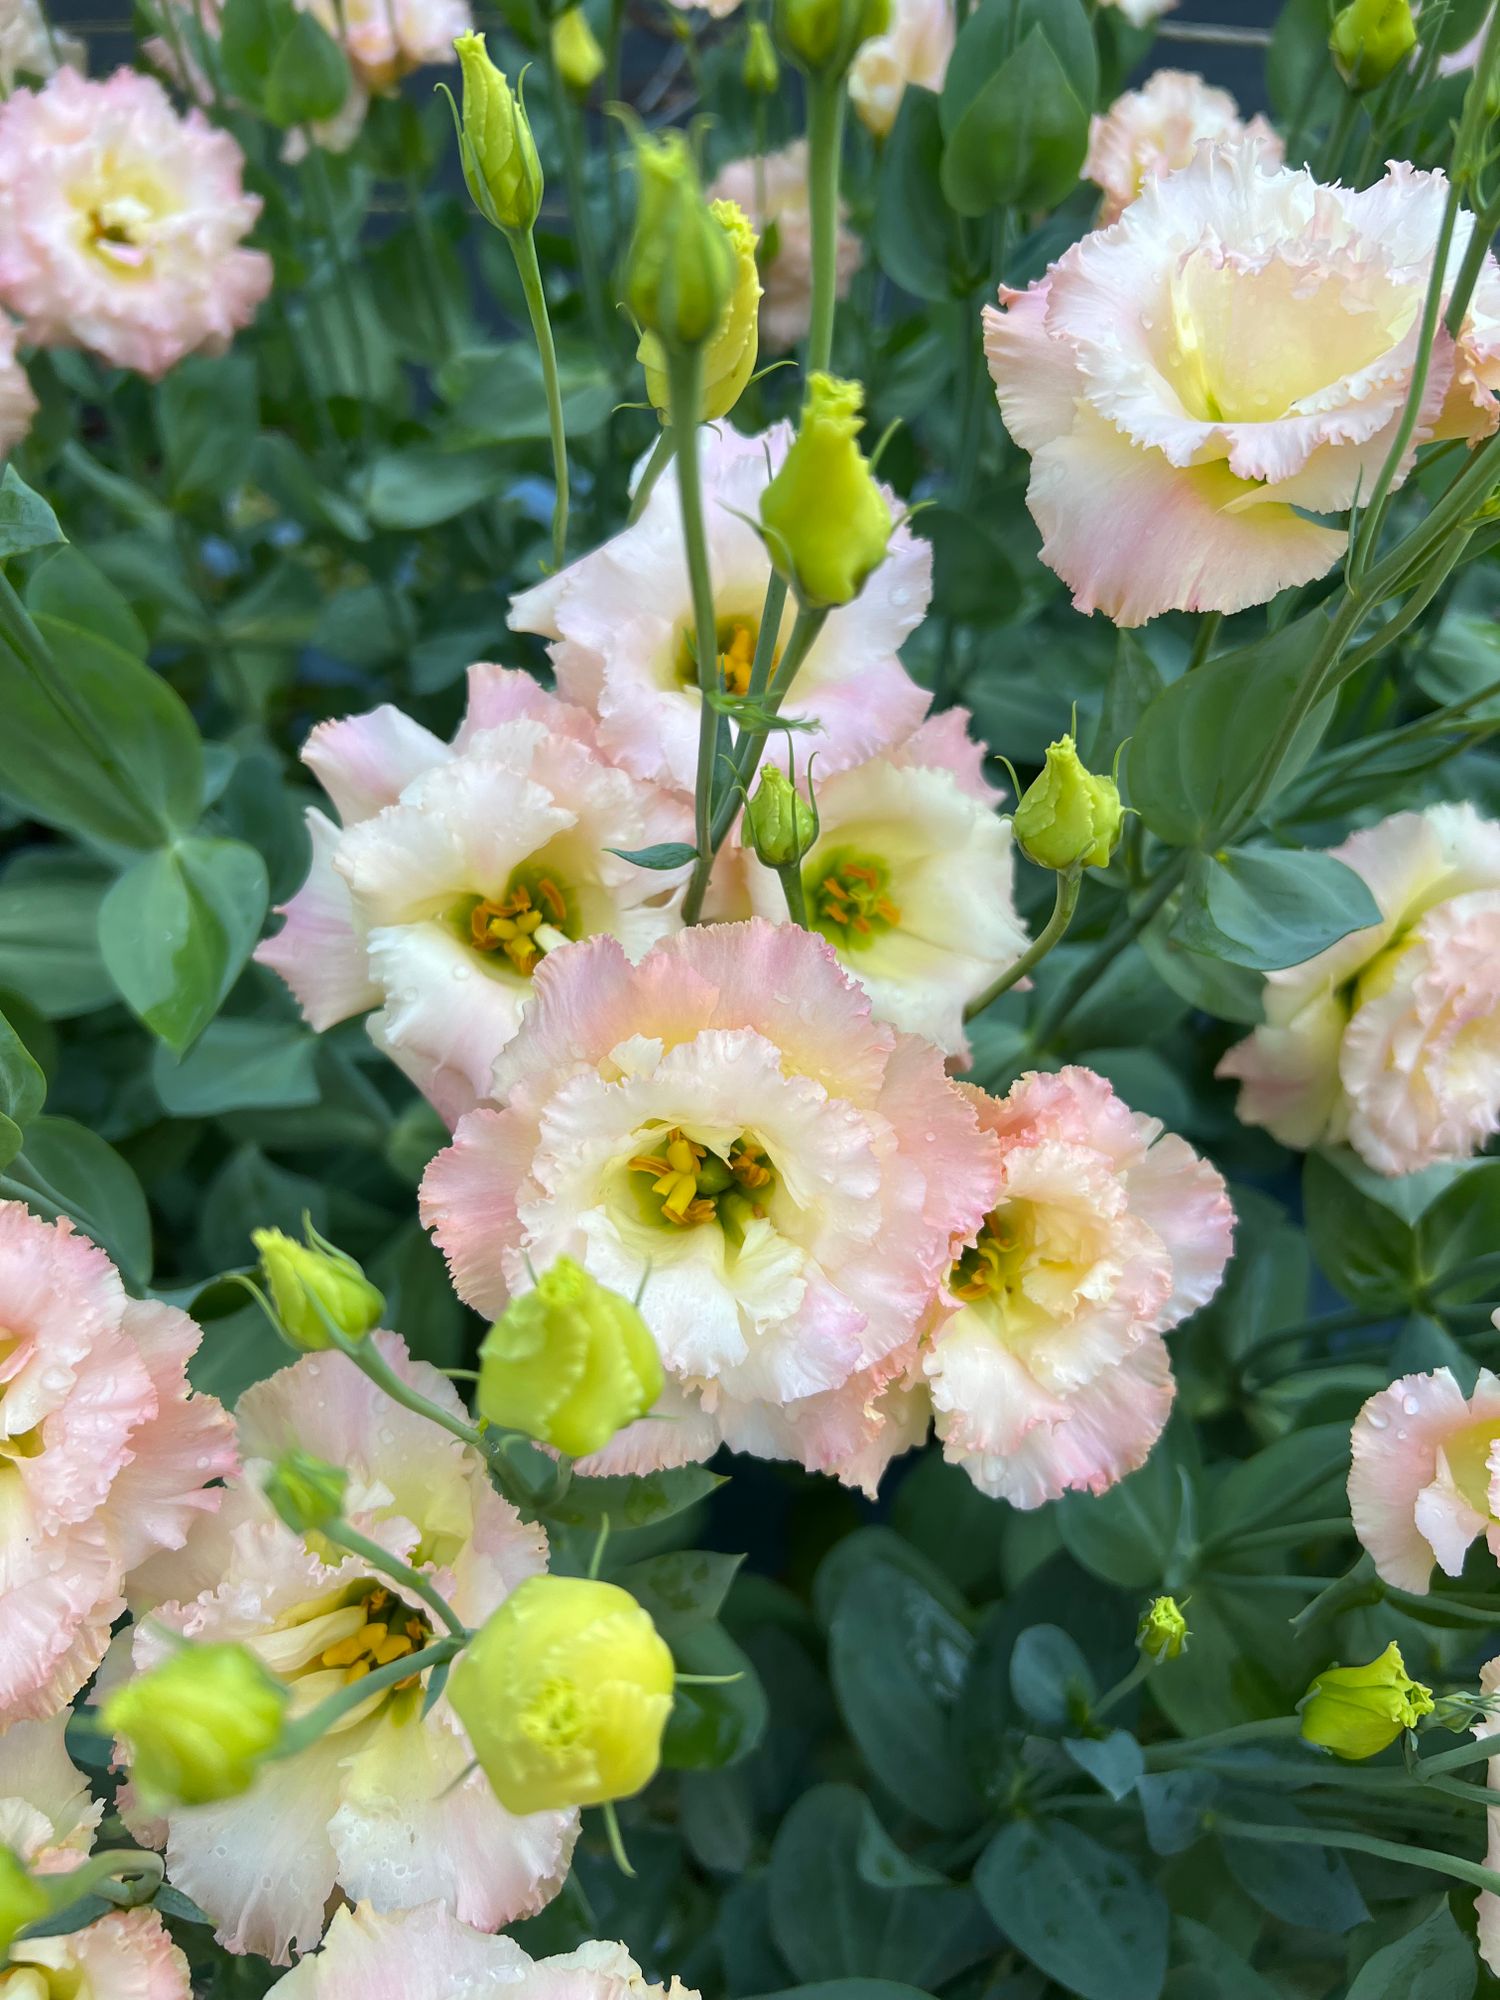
[1157,129]
[1424,1475]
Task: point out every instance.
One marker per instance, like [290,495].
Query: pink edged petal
[319,951]
[943,743]
[189,1441]
[61,1295]
[46,1814]
[56,1608]
[1036,378]
[365,762]
[468,1201]
[678,1431]
[1185,1201]
[1288,1073]
[87,1440]
[413,1954]
[446,1017]
[129,1956]
[1394,1449]
[504,694]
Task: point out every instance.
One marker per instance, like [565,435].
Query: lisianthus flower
[180,55]
[386,1806]
[772,190]
[1233,354]
[1487,1903]
[17,399]
[46,1814]
[621,622]
[105,1457]
[1157,129]
[1390,1039]
[29,47]
[121,223]
[1424,1477]
[910,880]
[1051,1375]
[914,49]
[426,1954]
[458,867]
[1141,13]
[387,39]
[728,1122]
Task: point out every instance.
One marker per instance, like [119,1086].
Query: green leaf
[713,1727]
[497,395]
[1361,1245]
[1126,1536]
[1172,1805]
[917,240]
[1022,140]
[1308,1886]
[1080,1913]
[207,411]
[176,929]
[422,484]
[681,1589]
[1050,1678]
[250,33]
[1116,1762]
[309,76]
[1435,1961]
[26,521]
[1267,907]
[68,587]
[664,854]
[23,1090]
[973,578]
[995,29]
[49,948]
[633,1502]
[64,1169]
[260,1065]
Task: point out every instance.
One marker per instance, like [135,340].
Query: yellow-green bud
[494,138]
[22,1900]
[576,51]
[1359,1711]
[303,1277]
[1370,39]
[1068,818]
[825,520]
[198,1727]
[570,1363]
[306,1492]
[782,825]
[564,1694]
[679,270]
[1163,1631]
[761,74]
[729,358]
[823,36]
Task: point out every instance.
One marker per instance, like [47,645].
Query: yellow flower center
[1030,1268]
[847,898]
[736,636]
[690,1184]
[324,1645]
[531,918]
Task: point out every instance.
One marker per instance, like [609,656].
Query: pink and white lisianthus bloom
[772,190]
[1052,1376]
[121,223]
[728,1122]
[621,623]
[914,49]
[426,1954]
[1141,13]
[17,398]
[458,866]
[105,1457]
[1233,354]
[388,1805]
[387,39]
[911,880]
[1424,1477]
[1390,1039]
[31,47]
[46,1814]
[1157,129]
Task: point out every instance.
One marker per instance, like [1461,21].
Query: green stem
[1163,1756]
[1361,1843]
[685,399]
[662,454]
[318,1721]
[790,878]
[1455,1760]
[1065,902]
[371,1362]
[1274,1538]
[1338,138]
[826,98]
[1208,631]
[523,248]
[345,1537]
[1123,933]
[1127,1684]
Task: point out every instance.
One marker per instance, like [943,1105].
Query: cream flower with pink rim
[458,867]
[772,190]
[18,403]
[914,49]
[621,622]
[727,1122]
[1157,129]
[387,1806]
[1047,1365]
[1233,354]
[911,880]
[1424,1477]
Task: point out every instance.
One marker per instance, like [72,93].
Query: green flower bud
[761,74]
[1163,1631]
[1370,39]
[306,1492]
[1068,818]
[823,36]
[782,824]
[576,51]
[679,270]
[22,1901]
[729,358]
[304,1276]
[825,520]
[1359,1711]
[198,1727]
[569,1363]
[494,137]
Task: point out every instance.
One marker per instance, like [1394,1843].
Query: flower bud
[823,36]
[1359,1711]
[197,1728]
[22,1900]
[306,1492]
[564,1693]
[569,1363]
[1163,1631]
[782,825]
[494,138]
[305,1276]
[729,358]
[1370,39]
[761,74]
[1068,818]
[576,51]
[680,267]
[825,520]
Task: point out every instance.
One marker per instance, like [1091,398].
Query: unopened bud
[729,358]
[198,1727]
[1163,1631]
[306,1492]
[761,74]
[569,1362]
[680,267]
[824,36]
[310,1280]
[782,825]
[22,1902]
[1068,818]
[1359,1711]
[576,51]
[499,155]
[1370,39]
[825,520]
